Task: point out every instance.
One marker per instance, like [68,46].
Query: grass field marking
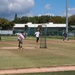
[17,48]
[38,70]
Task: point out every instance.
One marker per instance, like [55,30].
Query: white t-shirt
[37,34]
[20,36]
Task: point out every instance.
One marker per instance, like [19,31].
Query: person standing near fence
[20,40]
[37,33]
[64,35]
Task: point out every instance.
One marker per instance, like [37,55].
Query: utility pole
[67,18]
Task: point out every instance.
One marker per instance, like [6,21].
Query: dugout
[51,29]
[54,31]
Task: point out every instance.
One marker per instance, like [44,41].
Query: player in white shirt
[20,38]
[37,33]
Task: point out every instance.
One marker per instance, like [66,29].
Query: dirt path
[36,70]
[9,48]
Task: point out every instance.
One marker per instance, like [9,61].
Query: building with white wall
[52,29]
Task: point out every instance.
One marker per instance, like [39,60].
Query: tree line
[6,24]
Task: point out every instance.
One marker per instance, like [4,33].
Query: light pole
[0,34]
[67,18]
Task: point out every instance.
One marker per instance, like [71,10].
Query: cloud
[46,14]
[71,11]
[9,8]
[47,6]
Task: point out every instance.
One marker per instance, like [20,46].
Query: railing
[6,32]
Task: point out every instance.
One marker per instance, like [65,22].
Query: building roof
[36,25]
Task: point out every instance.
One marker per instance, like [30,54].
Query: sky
[8,8]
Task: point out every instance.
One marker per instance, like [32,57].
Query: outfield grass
[57,53]
[51,73]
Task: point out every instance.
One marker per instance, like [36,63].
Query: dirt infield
[38,70]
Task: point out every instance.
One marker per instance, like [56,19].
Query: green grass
[51,73]
[9,38]
[57,53]
[60,37]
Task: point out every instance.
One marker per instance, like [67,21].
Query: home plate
[17,48]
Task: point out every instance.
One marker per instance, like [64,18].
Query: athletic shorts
[20,41]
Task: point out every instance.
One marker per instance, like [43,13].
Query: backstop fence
[43,31]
